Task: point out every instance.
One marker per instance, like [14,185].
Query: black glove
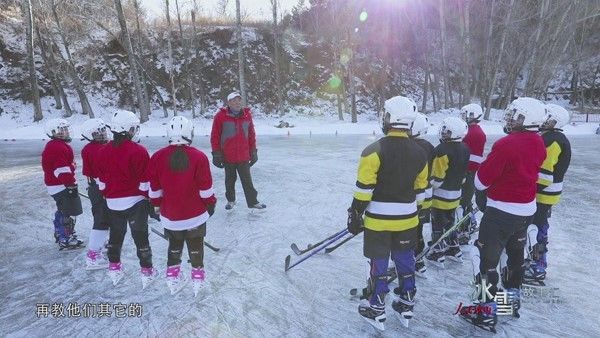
[211,209]
[217,159]
[72,191]
[481,199]
[253,157]
[355,222]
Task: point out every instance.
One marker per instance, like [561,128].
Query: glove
[481,199]
[211,209]
[217,159]
[253,157]
[355,222]
[72,191]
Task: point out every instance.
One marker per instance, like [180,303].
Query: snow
[307,183]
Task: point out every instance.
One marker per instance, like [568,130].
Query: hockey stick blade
[288,258]
[332,248]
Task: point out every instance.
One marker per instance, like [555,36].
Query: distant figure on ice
[123,181]
[59,176]
[392,176]
[94,131]
[233,142]
[449,166]
[418,132]
[181,186]
[509,177]
[475,141]
[550,179]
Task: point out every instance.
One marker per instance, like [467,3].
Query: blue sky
[257,9]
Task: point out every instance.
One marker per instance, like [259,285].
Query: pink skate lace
[173,271]
[114,266]
[198,274]
[92,254]
[147,271]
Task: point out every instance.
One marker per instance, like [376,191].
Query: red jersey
[233,136]
[510,173]
[121,172]
[181,195]
[89,156]
[59,166]
[475,140]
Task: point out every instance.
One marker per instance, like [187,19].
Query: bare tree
[196,70]
[186,63]
[143,105]
[140,51]
[35,93]
[276,61]
[85,104]
[222,8]
[447,95]
[240,51]
[171,67]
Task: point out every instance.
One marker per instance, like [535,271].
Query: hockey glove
[253,157]
[355,222]
[481,199]
[72,191]
[217,159]
[210,208]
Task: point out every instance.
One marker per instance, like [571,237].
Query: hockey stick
[446,233]
[332,248]
[213,248]
[312,253]
[299,252]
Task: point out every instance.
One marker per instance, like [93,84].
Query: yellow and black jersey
[392,177]
[428,147]
[552,172]
[450,160]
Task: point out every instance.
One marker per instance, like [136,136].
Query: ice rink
[307,184]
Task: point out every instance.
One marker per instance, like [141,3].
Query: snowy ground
[307,184]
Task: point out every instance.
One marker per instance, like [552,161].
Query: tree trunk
[186,64]
[466,53]
[140,51]
[197,70]
[425,89]
[86,109]
[483,79]
[50,69]
[488,107]
[171,67]
[33,83]
[143,105]
[240,51]
[443,42]
[533,69]
[278,83]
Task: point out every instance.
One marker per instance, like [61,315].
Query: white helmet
[524,113]
[180,131]
[471,112]
[125,122]
[58,129]
[94,130]
[556,117]
[420,126]
[399,112]
[452,129]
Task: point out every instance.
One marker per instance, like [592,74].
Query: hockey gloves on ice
[253,157]
[211,209]
[217,159]
[72,191]
[355,222]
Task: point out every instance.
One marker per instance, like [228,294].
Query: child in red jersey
[181,186]
[94,131]
[59,176]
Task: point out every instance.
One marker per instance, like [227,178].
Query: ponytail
[179,160]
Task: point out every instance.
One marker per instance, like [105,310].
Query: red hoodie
[510,173]
[58,165]
[233,136]
[181,195]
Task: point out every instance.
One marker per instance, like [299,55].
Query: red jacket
[233,136]
[510,172]
[475,140]
[181,195]
[58,165]
[122,174]
[89,156]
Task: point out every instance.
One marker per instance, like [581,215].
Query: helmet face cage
[62,132]
[100,134]
[512,123]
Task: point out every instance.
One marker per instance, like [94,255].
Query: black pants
[137,218]
[194,238]
[99,207]
[243,169]
[442,220]
[468,190]
[68,205]
[501,230]
[379,244]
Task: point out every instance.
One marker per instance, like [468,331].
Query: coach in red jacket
[233,142]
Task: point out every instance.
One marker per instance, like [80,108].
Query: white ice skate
[115,272]
[198,280]
[95,260]
[148,276]
[175,280]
